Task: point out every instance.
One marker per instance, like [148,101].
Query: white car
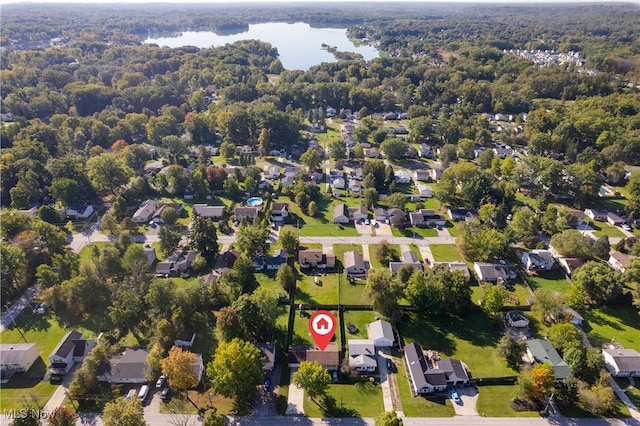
[366,221]
[626,227]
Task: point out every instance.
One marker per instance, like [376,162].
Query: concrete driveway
[468,401]
[383,229]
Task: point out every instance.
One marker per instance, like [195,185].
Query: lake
[299,45]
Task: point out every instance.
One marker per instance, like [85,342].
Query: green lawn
[494,401]
[179,404]
[301,334]
[634,394]
[373,257]
[87,251]
[470,339]
[321,224]
[325,292]
[340,249]
[603,229]
[445,253]
[360,319]
[453,228]
[517,294]
[553,280]
[414,232]
[360,399]
[46,332]
[620,324]
[435,406]
[352,292]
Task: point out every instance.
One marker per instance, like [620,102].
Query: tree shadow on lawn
[28,321]
[329,408]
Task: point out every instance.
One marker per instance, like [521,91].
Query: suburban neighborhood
[480,258]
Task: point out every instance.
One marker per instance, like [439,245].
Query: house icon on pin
[322,324]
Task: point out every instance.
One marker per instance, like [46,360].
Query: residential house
[614,219]
[618,261]
[145,211]
[503,151]
[380,214]
[398,218]
[279,212]
[429,373]
[268,354]
[338,183]
[621,362]
[454,266]
[16,358]
[225,261]
[71,349]
[356,173]
[402,176]
[291,171]
[354,186]
[271,172]
[426,217]
[597,214]
[151,254]
[570,264]
[358,213]
[421,175]
[316,175]
[211,212]
[516,318]
[354,265]
[79,212]
[408,258]
[287,181]
[425,151]
[372,152]
[537,260]
[461,214]
[436,174]
[157,215]
[244,149]
[340,213]
[574,317]
[541,351]
[129,366]
[329,358]
[381,333]
[425,191]
[270,263]
[248,212]
[179,262]
[185,339]
[495,272]
[362,355]
[314,258]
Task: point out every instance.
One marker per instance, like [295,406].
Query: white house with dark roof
[421,175]
[402,176]
[279,212]
[621,362]
[597,214]
[381,333]
[271,263]
[185,339]
[614,220]
[129,366]
[618,260]
[354,265]
[340,213]
[430,374]
[71,349]
[408,258]
[537,260]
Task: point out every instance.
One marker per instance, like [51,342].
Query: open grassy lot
[453,228]
[325,292]
[414,232]
[360,319]
[419,406]
[46,332]
[602,229]
[340,249]
[359,399]
[445,252]
[619,324]
[320,225]
[301,333]
[516,294]
[494,401]
[198,399]
[87,251]
[553,280]
[471,339]
[373,257]
[352,292]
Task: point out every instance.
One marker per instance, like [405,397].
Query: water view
[299,45]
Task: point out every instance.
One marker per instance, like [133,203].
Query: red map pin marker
[322,325]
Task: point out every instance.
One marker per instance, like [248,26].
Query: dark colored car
[267,383]
[391,366]
[164,396]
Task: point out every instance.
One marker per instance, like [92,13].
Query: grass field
[418,233]
[201,399]
[602,229]
[320,225]
[494,401]
[360,399]
[373,257]
[470,339]
[419,406]
[445,253]
[325,292]
[301,333]
[619,324]
[360,319]
[553,280]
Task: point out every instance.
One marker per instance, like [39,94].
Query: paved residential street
[18,306]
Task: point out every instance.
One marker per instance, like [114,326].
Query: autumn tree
[312,378]
[107,172]
[264,142]
[564,336]
[236,371]
[178,366]
[542,381]
[123,412]
[62,416]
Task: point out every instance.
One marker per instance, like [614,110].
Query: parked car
[454,396]
[161,381]
[366,221]
[626,227]
[130,394]
[267,383]
[164,396]
[391,366]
